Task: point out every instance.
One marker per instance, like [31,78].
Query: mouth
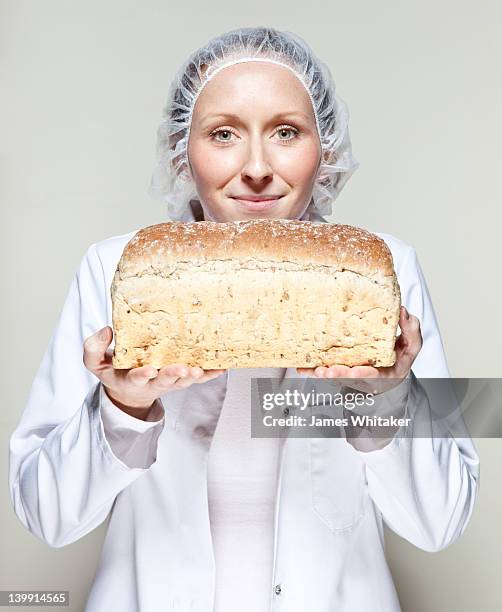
[256,203]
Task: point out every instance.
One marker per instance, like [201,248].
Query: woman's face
[253,135]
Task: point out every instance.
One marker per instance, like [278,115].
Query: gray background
[83,87]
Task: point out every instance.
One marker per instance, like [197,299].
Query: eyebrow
[234,117]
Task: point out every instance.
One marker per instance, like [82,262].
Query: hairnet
[172,179]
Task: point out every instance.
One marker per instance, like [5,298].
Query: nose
[256,167]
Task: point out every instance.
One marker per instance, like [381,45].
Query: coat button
[201,432]
[278,589]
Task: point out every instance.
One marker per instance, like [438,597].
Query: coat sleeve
[63,474]
[132,440]
[425,485]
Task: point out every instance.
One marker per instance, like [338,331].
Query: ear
[328,157]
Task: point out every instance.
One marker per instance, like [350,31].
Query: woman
[202,517]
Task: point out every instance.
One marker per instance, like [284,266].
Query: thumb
[404,324]
[95,347]
[409,341]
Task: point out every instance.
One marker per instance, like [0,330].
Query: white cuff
[117,417]
[389,403]
[132,440]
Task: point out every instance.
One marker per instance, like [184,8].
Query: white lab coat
[65,479]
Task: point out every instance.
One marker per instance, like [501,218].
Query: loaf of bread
[255,293]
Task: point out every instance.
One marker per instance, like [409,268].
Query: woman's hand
[407,347]
[136,389]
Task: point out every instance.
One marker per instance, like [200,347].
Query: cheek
[210,167]
[298,165]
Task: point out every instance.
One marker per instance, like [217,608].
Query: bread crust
[303,242]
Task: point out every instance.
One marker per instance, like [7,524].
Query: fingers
[142,375]
[305,371]
[210,374]
[407,346]
[95,354]
[161,379]
[181,376]
[203,376]
[320,371]
[336,371]
[324,371]
[333,371]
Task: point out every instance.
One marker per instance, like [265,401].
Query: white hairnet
[172,180]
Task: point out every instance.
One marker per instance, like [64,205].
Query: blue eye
[229,132]
[221,131]
[287,128]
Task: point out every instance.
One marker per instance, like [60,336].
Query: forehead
[249,86]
